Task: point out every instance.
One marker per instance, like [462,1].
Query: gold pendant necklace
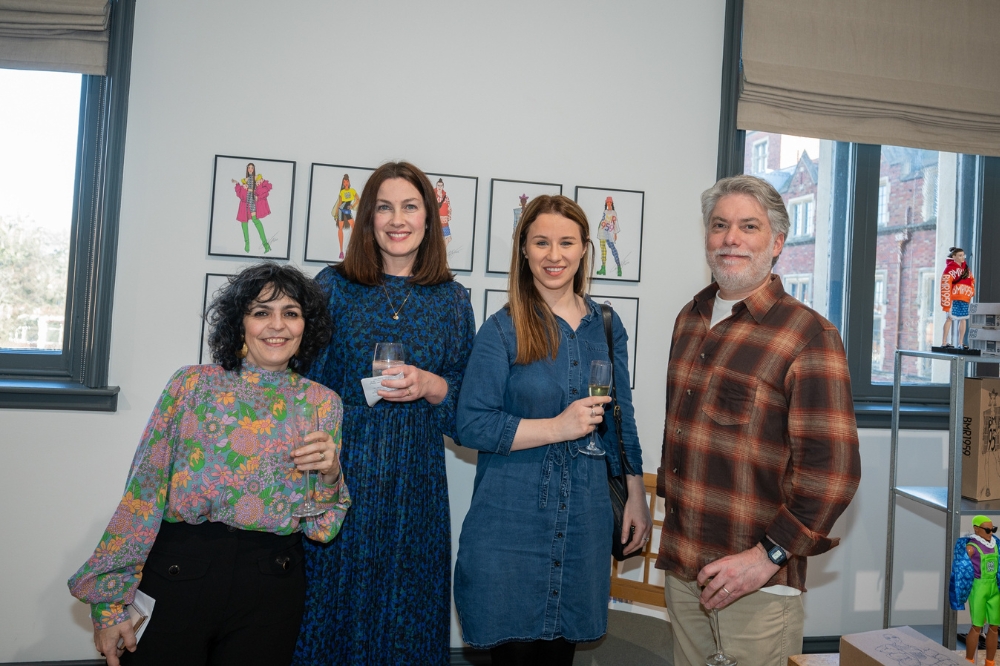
[395,311]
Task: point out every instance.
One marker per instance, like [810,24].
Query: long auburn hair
[363,261]
[534,324]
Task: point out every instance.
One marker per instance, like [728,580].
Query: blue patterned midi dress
[380,592]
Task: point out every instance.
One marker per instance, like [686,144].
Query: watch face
[775,556]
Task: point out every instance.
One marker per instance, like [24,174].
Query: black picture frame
[504,199]
[627,308]
[629,206]
[213,282]
[463,195]
[325,182]
[224,237]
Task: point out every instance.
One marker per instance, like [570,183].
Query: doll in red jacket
[957,289]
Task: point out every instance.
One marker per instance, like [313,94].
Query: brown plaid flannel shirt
[760,435]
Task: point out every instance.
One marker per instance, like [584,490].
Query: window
[799,286]
[883,202]
[878,325]
[759,164]
[800,213]
[55,355]
[882,215]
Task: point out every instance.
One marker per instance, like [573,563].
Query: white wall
[621,95]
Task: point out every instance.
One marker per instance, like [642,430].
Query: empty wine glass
[388,355]
[306,423]
[719,658]
[599,384]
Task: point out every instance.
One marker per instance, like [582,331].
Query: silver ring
[322,456]
[592,414]
[725,590]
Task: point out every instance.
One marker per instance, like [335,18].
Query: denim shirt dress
[534,557]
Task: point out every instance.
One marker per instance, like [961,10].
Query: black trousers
[223,596]
[558,652]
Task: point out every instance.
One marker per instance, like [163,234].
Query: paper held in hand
[371,386]
[139,611]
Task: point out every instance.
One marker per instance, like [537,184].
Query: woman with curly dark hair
[207,526]
[380,593]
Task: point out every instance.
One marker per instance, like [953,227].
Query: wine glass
[388,355]
[600,384]
[719,658]
[307,424]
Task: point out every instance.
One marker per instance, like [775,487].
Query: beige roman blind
[58,35]
[918,73]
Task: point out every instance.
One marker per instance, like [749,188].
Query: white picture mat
[504,198]
[226,235]
[494,300]
[629,209]
[213,283]
[627,309]
[324,195]
[462,192]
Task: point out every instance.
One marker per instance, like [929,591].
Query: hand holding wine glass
[388,355]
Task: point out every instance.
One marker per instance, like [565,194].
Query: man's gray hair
[759,189]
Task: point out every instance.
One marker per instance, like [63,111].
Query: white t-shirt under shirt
[721,310]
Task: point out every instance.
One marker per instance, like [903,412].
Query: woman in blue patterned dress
[380,593]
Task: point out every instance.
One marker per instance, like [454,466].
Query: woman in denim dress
[532,577]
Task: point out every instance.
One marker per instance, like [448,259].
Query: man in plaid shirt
[760,447]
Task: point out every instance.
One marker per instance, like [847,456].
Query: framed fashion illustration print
[213,283]
[456,197]
[616,230]
[334,197]
[251,207]
[627,308]
[508,198]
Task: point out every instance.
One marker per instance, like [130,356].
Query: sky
[38,137]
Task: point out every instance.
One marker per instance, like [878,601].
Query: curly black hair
[225,315]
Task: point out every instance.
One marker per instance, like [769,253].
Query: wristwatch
[775,553]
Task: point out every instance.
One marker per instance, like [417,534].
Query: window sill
[911,417]
[33,394]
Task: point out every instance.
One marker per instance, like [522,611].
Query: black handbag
[617,485]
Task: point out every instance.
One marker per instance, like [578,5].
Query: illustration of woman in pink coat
[252,191]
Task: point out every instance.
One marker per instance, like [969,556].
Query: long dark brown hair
[534,324]
[363,262]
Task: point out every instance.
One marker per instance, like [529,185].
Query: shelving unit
[942,498]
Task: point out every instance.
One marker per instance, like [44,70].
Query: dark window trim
[77,379]
[922,407]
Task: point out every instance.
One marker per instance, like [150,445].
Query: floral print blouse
[217,448]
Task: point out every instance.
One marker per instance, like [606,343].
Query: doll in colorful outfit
[252,191]
[957,289]
[607,234]
[974,579]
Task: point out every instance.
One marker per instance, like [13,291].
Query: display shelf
[942,498]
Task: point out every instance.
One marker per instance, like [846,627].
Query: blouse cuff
[507,435]
[106,615]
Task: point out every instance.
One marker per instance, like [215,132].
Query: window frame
[853,266]
[77,378]
[808,204]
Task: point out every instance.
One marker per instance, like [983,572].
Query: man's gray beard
[749,278]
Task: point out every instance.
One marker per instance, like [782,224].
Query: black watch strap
[775,553]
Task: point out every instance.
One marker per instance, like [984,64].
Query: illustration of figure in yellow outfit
[957,289]
[343,211]
[607,234]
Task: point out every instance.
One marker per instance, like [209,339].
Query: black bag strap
[615,409]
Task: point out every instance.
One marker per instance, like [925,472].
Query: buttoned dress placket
[560,455]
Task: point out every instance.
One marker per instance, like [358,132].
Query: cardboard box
[899,646]
[984,321]
[984,334]
[981,439]
[986,347]
[986,340]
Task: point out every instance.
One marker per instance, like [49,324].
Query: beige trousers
[759,629]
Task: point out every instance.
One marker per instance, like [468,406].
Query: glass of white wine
[599,384]
[306,423]
[388,355]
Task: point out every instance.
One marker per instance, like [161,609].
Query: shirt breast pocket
[730,399]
